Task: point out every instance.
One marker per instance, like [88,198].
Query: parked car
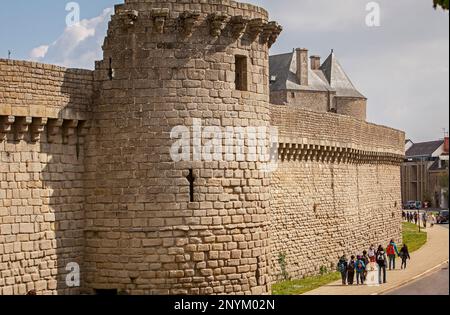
[410,205]
[442,217]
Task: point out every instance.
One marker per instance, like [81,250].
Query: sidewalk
[432,254]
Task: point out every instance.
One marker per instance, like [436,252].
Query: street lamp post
[418,218]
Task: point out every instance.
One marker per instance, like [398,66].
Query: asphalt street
[434,284]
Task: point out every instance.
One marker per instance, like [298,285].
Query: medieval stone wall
[30,89]
[166,64]
[41,168]
[86,174]
[336,189]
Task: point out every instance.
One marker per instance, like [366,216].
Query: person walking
[424,219]
[392,252]
[342,268]
[360,269]
[351,270]
[416,217]
[366,261]
[404,254]
[381,261]
[432,220]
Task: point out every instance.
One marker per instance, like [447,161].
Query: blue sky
[26,24]
[401,66]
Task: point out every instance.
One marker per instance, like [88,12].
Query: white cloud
[78,46]
[39,52]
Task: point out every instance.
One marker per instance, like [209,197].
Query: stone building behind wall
[314,86]
[87,175]
[424,173]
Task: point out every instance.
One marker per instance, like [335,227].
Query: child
[360,269]
[351,270]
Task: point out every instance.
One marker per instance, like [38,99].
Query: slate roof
[424,148]
[284,68]
[435,166]
[330,77]
[338,79]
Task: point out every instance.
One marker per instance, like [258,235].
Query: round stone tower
[163,218]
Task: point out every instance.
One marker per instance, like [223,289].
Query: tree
[444,4]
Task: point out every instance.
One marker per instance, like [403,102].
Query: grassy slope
[411,237]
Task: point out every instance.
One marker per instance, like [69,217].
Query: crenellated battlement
[37,98]
[221,19]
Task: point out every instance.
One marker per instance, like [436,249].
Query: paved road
[434,284]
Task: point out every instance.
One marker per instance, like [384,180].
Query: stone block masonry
[86,175]
[336,190]
[43,112]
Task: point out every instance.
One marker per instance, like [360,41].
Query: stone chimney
[302,65]
[315,62]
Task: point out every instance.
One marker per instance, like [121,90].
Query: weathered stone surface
[91,181]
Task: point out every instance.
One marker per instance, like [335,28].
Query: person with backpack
[342,268]
[366,261]
[381,261]
[360,268]
[404,254]
[392,252]
[351,270]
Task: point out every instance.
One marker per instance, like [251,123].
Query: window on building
[241,73]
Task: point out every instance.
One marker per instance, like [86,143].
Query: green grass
[296,287]
[411,237]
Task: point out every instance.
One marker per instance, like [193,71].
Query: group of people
[413,217]
[370,262]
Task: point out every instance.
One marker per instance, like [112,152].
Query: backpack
[341,266]
[380,257]
[351,266]
[390,250]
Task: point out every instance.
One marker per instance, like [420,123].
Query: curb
[403,283]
